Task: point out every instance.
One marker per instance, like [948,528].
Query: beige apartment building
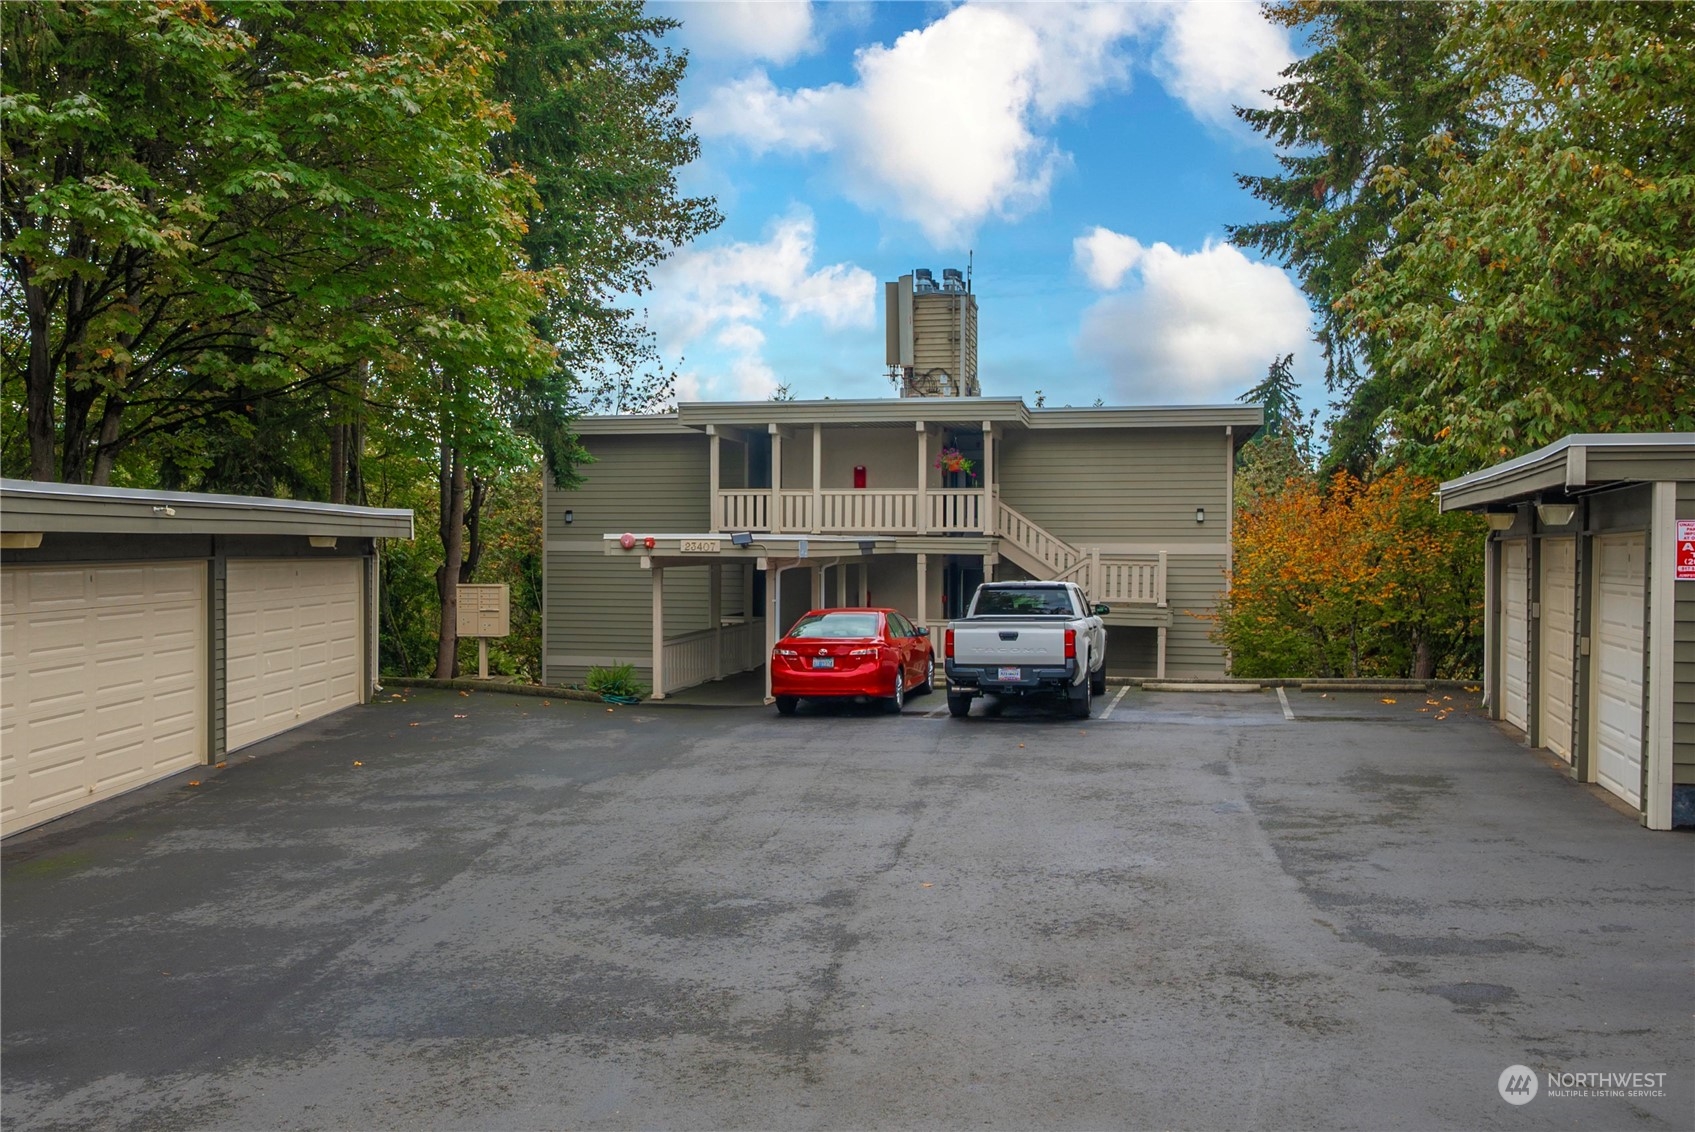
[700,535]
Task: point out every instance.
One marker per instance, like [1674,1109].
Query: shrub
[615,680]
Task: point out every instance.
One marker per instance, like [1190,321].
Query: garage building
[1590,634]
[146,632]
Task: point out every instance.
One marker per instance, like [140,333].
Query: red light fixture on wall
[859,476]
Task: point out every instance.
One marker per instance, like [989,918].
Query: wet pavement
[1195,910]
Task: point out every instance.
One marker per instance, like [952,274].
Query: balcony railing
[851,511]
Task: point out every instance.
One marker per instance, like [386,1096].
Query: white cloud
[720,295]
[1105,256]
[779,32]
[1200,327]
[941,128]
[1218,55]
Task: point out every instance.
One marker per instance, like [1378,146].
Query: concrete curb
[464,684]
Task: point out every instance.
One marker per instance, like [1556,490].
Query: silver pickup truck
[1027,639]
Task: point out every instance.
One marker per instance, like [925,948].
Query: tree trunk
[474,530]
[1424,659]
[338,462]
[356,437]
[452,480]
[38,386]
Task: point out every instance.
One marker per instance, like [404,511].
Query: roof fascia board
[1574,462]
[29,505]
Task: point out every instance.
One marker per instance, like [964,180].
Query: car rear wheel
[929,684]
[959,706]
[786,704]
[894,703]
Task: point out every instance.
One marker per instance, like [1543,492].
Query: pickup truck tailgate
[1011,644]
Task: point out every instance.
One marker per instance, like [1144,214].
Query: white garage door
[1559,638]
[102,683]
[1515,632]
[293,645]
[1620,570]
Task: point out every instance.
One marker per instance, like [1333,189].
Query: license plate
[823,662]
[1009,675]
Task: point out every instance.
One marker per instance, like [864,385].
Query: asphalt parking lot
[1193,911]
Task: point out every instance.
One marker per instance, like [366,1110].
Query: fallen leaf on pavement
[1387,700]
[926,884]
[356,762]
[464,693]
[547,703]
[414,723]
[194,783]
[457,715]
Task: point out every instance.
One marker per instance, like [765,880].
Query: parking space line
[1283,698]
[1114,702]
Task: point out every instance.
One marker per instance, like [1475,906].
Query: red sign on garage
[1686,550]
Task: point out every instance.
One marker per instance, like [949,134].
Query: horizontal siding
[1118,485]
[601,607]
[654,484]
[1192,585]
[1683,662]
[890,456]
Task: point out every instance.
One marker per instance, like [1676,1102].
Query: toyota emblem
[821,652]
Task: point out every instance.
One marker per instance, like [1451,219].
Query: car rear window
[835,626]
[1042,602]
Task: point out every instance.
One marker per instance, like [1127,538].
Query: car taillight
[1071,644]
[947,643]
[862,652]
[787,652]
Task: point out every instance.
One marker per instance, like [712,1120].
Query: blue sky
[1084,154]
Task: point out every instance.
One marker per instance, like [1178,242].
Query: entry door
[1515,633]
[102,683]
[293,646]
[1620,578]
[1559,638]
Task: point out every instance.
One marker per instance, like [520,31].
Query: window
[1044,601]
[835,626]
[900,626]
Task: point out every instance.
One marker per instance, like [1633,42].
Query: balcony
[851,511]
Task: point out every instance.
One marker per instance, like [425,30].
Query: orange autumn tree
[1353,578]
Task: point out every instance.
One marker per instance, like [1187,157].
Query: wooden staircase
[1124,579]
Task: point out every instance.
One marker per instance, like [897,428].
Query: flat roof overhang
[29,505]
[696,417]
[1573,465]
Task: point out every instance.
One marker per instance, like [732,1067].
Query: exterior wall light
[1200,514]
[321,542]
[568,516]
[1556,514]
[1500,520]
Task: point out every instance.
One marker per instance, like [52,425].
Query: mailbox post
[484,611]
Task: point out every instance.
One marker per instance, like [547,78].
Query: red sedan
[858,654]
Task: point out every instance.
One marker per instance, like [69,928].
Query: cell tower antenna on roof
[970,254]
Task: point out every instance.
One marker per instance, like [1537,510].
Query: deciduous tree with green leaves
[1547,285]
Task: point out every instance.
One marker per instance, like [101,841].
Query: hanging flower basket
[949,460]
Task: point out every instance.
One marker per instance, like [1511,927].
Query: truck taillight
[1071,644]
[947,644]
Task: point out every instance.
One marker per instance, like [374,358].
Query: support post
[1159,583]
[988,477]
[658,633]
[714,501]
[715,615]
[482,658]
[817,476]
[776,480]
[923,589]
[864,581]
[841,584]
[1159,664]
[773,582]
[817,586]
[1657,769]
[923,516]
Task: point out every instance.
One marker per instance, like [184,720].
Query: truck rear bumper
[1031,678]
